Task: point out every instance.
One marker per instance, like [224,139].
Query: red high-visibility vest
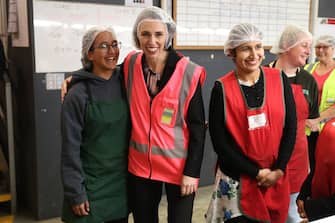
[160,137]
[258,133]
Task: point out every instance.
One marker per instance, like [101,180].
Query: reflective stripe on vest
[178,151]
[130,75]
[171,153]
[311,67]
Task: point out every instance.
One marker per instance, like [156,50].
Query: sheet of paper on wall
[138,3]
[54,81]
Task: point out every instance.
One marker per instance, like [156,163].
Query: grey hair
[291,36]
[155,13]
[88,40]
[327,40]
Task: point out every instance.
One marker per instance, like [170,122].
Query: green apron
[103,154]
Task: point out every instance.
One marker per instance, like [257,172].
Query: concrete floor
[200,207]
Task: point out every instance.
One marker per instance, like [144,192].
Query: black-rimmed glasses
[106,46]
[322,47]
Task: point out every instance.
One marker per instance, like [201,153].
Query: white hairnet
[327,40]
[240,34]
[88,40]
[155,13]
[290,37]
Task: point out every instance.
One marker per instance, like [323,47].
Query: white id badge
[256,121]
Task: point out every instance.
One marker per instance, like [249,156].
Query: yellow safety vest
[328,90]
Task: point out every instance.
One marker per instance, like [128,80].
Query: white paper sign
[54,80]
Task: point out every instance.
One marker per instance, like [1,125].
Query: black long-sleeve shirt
[231,159]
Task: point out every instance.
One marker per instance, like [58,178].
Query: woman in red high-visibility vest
[252,123]
[168,122]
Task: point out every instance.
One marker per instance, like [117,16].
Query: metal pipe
[10,133]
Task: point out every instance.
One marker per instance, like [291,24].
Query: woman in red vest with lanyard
[293,49]
[252,123]
[168,121]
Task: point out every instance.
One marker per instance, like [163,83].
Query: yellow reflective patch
[167,116]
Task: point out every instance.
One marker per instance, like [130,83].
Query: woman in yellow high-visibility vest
[324,73]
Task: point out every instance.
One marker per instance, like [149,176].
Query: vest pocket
[168,112]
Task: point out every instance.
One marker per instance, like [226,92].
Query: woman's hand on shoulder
[64,87]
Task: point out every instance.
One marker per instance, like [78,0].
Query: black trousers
[144,198]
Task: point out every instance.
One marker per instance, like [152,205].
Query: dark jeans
[145,195]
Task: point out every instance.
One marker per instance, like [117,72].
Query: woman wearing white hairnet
[95,135]
[168,121]
[293,49]
[252,123]
[324,73]
[316,198]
